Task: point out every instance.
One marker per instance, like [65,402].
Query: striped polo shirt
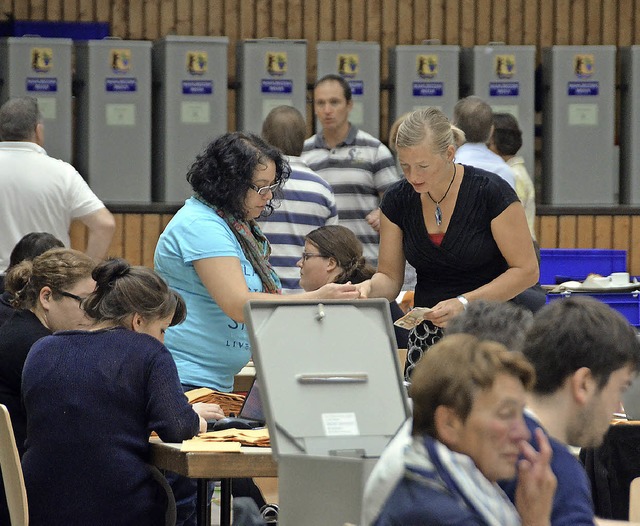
[308,204]
[359,169]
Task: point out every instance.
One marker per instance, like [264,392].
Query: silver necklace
[437,203]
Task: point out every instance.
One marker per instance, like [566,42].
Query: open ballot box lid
[330,378]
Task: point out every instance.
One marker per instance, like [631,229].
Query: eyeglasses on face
[72,296]
[262,190]
[307,255]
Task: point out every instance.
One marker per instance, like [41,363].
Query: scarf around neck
[427,459]
[254,244]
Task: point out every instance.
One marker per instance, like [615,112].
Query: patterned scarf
[254,244]
[427,460]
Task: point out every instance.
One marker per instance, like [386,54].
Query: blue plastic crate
[45,29]
[558,265]
[626,303]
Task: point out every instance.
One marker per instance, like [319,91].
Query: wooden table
[204,466]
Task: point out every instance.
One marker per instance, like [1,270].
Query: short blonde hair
[428,122]
[451,373]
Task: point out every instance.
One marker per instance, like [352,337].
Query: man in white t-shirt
[39,193]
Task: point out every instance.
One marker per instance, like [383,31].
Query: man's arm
[101,225]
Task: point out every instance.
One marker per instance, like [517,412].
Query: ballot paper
[412,318]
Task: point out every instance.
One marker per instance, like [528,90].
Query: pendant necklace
[437,203]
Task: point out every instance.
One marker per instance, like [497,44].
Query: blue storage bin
[45,29]
[558,265]
[626,303]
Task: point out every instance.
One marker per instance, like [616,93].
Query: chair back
[634,500]
[12,472]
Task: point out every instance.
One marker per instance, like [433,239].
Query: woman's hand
[364,288]
[444,312]
[336,291]
[536,483]
[208,411]
[203,424]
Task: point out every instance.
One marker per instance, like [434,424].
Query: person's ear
[582,385]
[448,426]
[45,297]
[451,153]
[350,104]
[40,134]
[136,322]
[332,264]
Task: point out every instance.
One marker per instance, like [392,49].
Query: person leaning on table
[92,399]
[462,228]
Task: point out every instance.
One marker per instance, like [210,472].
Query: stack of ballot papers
[228,402]
[227,440]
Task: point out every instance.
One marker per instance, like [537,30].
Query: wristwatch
[463,300]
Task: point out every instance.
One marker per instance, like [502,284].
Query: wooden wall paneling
[483,30]
[70,10]
[635,16]
[78,235]
[357,21]
[151,229]
[199,18]
[436,20]
[310,28]
[633,252]
[594,22]
[577,20]
[326,20]
[515,15]
[120,20]
[546,24]
[151,20]
[280,19]
[608,23]
[603,232]
[294,19]
[86,10]
[184,15]
[133,238]
[562,29]
[102,13]
[451,22]
[421,16]
[388,37]
[405,15]
[585,232]
[468,23]
[263,19]
[567,231]
[621,232]
[341,17]
[38,10]
[116,248]
[54,10]
[530,23]
[247,19]
[499,21]
[215,20]
[548,233]
[164,221]
[167,17]
[373,20]
[232,30]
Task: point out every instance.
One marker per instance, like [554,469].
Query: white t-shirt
[38,194]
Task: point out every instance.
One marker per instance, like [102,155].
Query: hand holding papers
[412,318]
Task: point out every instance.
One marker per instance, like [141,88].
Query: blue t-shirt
[209,348]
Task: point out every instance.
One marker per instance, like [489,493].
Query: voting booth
[579,165]
[629,125]
[113,110]
[359,64]
[41,68]
[504,77]
[333,397]
[189,109]
[272,73]
[425,75]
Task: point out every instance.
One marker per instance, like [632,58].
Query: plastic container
[45,29]
[626,303]
[558,265]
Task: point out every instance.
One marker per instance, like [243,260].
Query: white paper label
[121,114]
[511,109]
[47,107]
[195,112]
[583,114]
[357,113]
[340,424]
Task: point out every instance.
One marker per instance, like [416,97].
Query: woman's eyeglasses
[69,295]
[307,255]
[262,190]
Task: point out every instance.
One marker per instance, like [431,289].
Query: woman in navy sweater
[92,399]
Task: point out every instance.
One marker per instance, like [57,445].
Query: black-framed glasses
[262,190]
[307,255]
[69,295]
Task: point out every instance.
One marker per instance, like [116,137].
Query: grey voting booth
[359,64]
[328,371]
[504,77]
[579,164]
[41,68]
[189,109]
[113,108]
[629,125]
[424,75]
[272,73]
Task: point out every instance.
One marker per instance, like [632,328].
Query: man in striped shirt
[358,166]
[308,201]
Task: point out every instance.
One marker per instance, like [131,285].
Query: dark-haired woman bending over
[92,399]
